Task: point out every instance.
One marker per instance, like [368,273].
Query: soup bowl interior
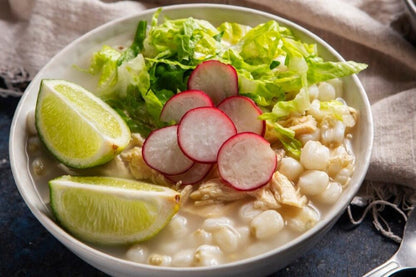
[36,195]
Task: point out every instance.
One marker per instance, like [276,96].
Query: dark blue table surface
[27,249]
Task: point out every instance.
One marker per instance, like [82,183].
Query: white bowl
[36,195]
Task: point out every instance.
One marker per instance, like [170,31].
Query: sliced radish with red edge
[246,161]
[244,113]
[217,79]
[182,102]
[202,131]
[193,175]
[161,152]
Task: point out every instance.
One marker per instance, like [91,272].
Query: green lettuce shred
[274,69]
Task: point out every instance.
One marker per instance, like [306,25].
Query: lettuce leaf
[104,63]
[320,70]
[186,40]
[232,32]
[286,136]
[274,69]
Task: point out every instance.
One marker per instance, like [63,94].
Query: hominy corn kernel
[344,176]
[338,86]
[313,92]
[227,238]
[326,92]
[33,144]
[313,182]
[314,155]
[267,224]
[304,220]
[183,258]
[316,135]
[38,167]
[178,226]
[207,255]
[159,260]
[331,194]
[212,224]
[137,253]
[291,168]
[333,135]
[247,212]
[200,236]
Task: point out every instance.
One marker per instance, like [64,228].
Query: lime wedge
[77,127]
[109,210]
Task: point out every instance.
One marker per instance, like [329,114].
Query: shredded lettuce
[274,69]
[186,40]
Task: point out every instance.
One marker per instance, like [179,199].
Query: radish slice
[202,131]
[161,152]
[244,113]
[182,102]
[217,79]
[193,175]
[246,161]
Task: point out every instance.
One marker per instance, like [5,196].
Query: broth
[205,233]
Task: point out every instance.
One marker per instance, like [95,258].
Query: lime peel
[108,210]
[76,126]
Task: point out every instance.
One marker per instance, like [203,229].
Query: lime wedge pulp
[108,210]
[77,127]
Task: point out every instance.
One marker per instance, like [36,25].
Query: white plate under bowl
[78,52]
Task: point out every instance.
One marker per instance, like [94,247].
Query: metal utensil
[405,258]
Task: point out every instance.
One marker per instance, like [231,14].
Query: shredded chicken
[278,191]
[136,140]
[338,160]
[301,124]
[280,153]
[287,193]
[185,193]
[214,191]
[266,198]
[139,169]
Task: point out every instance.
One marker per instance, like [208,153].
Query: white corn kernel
[178,226]
[183,258]
[339,159]
[207,255]
[227,238]
[313,92]
[244,232]
[338,86]
[159,260]
[315,135]
[247,212]
[326,92]
[33,144]
[267,224]
[200,236]
[334,134]
[291,168]
[314,155]
[344,176]
[313,182]
[170,247]
[137,253]
[38,167]
[331,194]
[304,220]
[315,110]
[212,224]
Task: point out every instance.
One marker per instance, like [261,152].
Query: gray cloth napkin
[369,31]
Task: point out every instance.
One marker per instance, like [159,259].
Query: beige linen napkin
[369,31]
